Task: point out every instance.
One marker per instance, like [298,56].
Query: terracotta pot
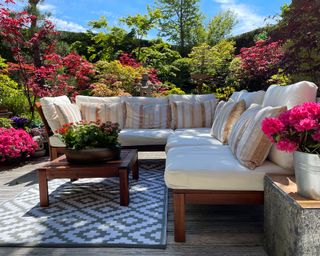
[90,156]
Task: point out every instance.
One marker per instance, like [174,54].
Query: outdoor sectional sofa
[199,168]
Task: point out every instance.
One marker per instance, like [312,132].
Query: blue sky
[74,15]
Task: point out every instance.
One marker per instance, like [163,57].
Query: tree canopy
[179,22]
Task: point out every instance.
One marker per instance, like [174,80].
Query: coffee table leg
[43,188]
[135,170]
[124,186]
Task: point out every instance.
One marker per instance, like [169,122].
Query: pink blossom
[15,143]
[272,126]
[316,135]
[306,124]
[287,145]
[300,130]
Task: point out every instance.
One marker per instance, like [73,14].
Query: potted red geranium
[91,142]
[298,130]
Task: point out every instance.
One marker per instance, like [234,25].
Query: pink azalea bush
[15,143]
[296,129]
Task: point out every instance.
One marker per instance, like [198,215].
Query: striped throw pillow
[254,145]
[226,118]
[113,112]
[68,113]
[147,116]
[240,126]
[192,114]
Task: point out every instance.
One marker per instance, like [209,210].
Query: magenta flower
[272,126]
[296,129]
[287,145]
[15,143]
[316,135]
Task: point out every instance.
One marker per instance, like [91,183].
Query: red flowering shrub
[296,129]
[15,143]
[126,59]
[40,70]
[260,62]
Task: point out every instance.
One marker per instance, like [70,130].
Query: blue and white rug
[86,213]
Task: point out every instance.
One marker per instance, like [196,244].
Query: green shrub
[235,76]
[11,97]
[114,79]
[161,57]
[175,90]
[5,123]
[182,73]
[210,65]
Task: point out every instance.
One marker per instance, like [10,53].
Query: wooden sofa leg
[179,217]
[53,153]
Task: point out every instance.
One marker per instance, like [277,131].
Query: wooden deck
[211,230]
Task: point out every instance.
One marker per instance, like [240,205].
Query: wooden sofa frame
[56,151]
[182,197]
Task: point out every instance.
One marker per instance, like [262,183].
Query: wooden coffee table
[61,169]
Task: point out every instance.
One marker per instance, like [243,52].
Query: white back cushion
[145,100]
[249,97]
[191,98]
[235,96]
[90,99]
[291,95]
[252,98]
[50,112]
[68,113]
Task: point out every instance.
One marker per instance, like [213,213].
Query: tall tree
[300,30]
[180,21]
[142,24]
[220,26]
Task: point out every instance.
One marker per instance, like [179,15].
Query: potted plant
[91,142]
[15,145]
[298,130]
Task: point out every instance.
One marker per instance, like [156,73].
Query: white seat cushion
[191,131]
[138,137]
[56,142]
[213,168]
[193,137]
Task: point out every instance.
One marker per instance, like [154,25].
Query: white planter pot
[307,171]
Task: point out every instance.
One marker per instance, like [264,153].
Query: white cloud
[64,25]
[47,8]
[247,17]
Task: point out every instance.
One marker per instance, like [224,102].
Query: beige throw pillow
[240,126]
[148,116]
[226,118]
[254,145]
[192,114]
[68,113]
[113,112]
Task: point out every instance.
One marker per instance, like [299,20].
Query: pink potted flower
[298,130]
[15,143]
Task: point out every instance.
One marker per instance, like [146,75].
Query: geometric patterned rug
[86,213]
